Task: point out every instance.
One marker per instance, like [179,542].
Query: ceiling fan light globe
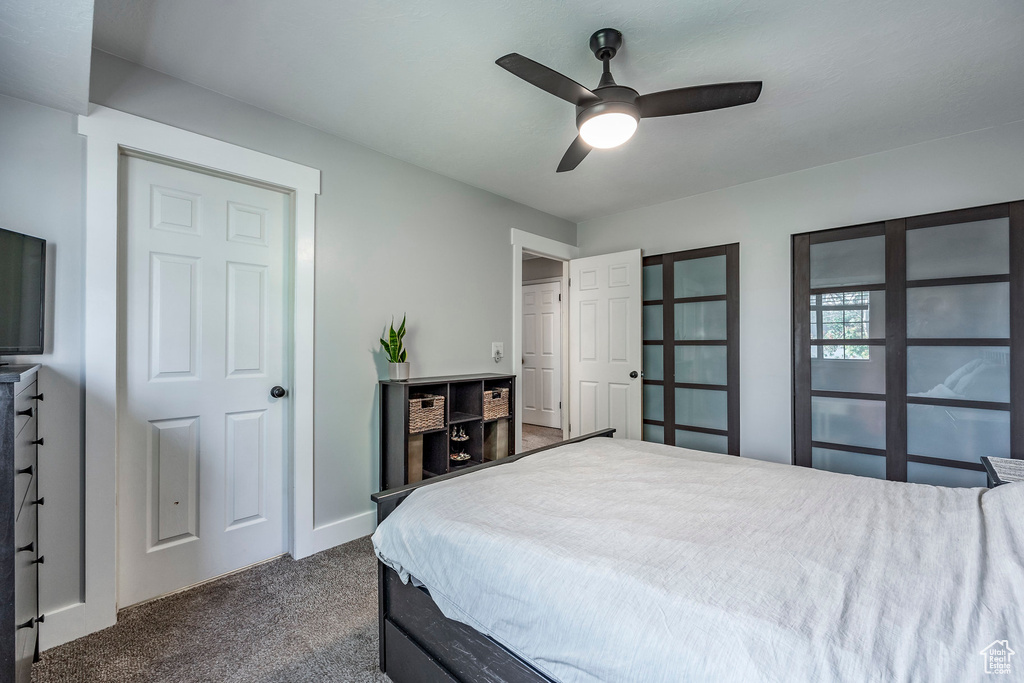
[607,130]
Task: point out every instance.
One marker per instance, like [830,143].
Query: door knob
[634,374]
[278,392]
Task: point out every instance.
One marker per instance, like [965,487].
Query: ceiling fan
[607,116]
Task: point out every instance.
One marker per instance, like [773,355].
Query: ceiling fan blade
[546,79]
[698,98]
[576,153]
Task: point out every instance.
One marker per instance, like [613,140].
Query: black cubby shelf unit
[408,458]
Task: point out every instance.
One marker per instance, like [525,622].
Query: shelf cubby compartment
[466,401]
[497,439]
[435,453]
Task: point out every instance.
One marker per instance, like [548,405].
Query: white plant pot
[398,371]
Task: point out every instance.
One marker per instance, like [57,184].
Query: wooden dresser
[19,546]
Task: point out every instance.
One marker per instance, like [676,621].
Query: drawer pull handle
[28,624]
[30,546]
[24,470]
[37,397]
[40,560]
[37,442]
[41,501]
[27,412]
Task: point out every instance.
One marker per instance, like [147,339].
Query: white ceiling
[417,81]
[45,49]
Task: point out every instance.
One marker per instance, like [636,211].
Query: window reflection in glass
[842,316]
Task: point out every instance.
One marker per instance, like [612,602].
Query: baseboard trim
[336,533]
[69,623]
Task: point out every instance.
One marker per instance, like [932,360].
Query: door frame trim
[108,133]
[559,251]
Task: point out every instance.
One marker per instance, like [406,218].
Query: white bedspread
[617,561]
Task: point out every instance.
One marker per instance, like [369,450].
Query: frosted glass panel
[654,433]
[865,375]
[979,248]
[713,443]
[699,277]
[653,322]
[702,364]
[861,464]
[654,362]
[701,320]
[970,373]
[702,408]
[652,283]
[921,473]
[959,311]
[654,402]
[848,315]
[848,262]
[851,422]
[963,434]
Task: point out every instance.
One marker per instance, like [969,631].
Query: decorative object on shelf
[426,412]
[398,366]
[495,403]
[459,438]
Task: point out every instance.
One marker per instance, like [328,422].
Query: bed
[615,560]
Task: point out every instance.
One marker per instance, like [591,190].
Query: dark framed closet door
[691,349]
[909,344]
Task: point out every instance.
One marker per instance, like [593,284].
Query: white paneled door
[200,439]
[542,354]
[605,350]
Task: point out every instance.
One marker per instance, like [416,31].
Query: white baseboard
[336,533]
[69,623]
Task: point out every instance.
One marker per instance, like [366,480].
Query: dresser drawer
[24,447]
[24,493]
[24,407]
[24,653]
[25,612]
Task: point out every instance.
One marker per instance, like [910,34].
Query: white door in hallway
[201,441]
[605,351]
[542,354]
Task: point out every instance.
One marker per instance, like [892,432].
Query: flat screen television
[22,293]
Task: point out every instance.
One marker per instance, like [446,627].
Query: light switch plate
[496,348]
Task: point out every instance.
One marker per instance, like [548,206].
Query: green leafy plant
[392,343]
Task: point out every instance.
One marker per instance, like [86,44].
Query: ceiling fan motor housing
[614,98]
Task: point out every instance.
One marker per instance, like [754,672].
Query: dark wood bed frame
[418,644]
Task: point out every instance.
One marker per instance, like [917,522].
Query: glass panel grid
[963,434]
[702,408]
[851,422]
[959,311]
[699,441]
[699,277]
[845,462]
[937,475]
[652,286]
[702,364]
[964,373]
[959,250]
[844,263]
[700,320]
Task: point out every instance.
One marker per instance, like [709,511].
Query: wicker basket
[426,412]
[495,403]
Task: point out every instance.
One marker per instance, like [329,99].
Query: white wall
[973,169]
[541,268]
[391,238]
[41,161]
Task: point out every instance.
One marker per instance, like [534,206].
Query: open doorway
[543,350]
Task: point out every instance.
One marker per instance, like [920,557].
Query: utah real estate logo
[997,657]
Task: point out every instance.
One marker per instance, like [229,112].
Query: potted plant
[398,367]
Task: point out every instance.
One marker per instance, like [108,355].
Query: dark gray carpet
[281,622]
[535,436]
